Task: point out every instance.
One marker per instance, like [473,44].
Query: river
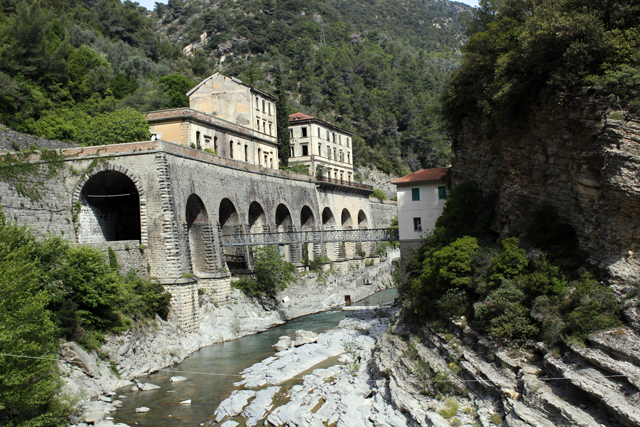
[212,370]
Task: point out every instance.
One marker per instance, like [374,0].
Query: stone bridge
[165,208]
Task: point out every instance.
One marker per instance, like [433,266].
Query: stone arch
[283,219]
[307,219]
[258,222]
[200,235]
[99,217]
[327,217]
[229,223]
[284,223]
[345,219]
[363,222]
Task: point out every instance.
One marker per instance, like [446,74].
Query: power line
[302,378]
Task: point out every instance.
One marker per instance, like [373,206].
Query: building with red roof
[421,197]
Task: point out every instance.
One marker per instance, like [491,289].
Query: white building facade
[326,149]
[421,198]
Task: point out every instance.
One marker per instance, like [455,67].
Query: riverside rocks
[147,349]
[388,374]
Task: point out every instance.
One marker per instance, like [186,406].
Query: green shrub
[272,273]
[379,194]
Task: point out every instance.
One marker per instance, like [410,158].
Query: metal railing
[343,182]
[311,236]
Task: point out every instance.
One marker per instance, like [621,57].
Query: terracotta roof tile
[422,175]
[299,116]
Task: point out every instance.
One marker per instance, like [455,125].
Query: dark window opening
[415,194]
[305,150]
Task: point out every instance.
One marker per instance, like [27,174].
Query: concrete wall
[383,212]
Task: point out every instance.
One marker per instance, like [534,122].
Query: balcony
[344,185]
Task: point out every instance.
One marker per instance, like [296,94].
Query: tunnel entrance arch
[109,208]
[327,217]
[363,222]
[306,217]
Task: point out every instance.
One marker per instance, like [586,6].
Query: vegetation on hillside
[513,295]
[83,70]
[78,70]
[51,290]
[522,51]
[374,68]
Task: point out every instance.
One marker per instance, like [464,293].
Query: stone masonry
[163,207]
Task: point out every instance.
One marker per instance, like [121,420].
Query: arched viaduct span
[177,203]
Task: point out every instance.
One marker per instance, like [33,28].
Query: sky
[149,4]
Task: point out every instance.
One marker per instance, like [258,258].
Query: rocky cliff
[574,154]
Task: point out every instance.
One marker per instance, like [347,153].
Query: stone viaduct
[163,208]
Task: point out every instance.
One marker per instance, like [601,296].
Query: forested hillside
[84,70]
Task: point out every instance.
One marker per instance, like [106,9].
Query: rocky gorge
[578,156]
[91,377]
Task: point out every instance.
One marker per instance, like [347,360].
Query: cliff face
[569,154]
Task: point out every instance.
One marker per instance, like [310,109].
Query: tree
[282,117]
[29,386]
[176,87]
[272,273]
[379,194]
[116,127]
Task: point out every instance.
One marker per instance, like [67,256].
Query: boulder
[177,379]
[305,337]
[75,355]
[284,343]
[142,409]
[185,402]
[148,386]
[92,417]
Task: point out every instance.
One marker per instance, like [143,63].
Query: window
[415,194]
[246,153]
[231,149]
[417,225]
[327,135]
[328,152]
[269,106]
[347,142]
[257,104]
[319,149]
[348,157]
[259,151]
[318,132]
[293,151]
[215,144]
[270,129]
[291,133]
[198,140]
[305,150]
[264,110]
[442,192]
[335,153]
[258,124]
[304,132]
[340,139]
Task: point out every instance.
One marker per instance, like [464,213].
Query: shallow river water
[212,371]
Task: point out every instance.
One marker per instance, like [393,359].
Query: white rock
[148,386]
[186,402]
[177,379]
[104,398]
[135,388]
[229,424]
[92,417]
[142,409]
[305,337]
[234,404]
[283,343]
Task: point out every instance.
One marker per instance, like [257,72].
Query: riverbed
[211,372]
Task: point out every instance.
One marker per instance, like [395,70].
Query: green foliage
[500,289]
[297,168]
[528,50]
[379,194]
[176,87]
[282,119]
[272,274]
